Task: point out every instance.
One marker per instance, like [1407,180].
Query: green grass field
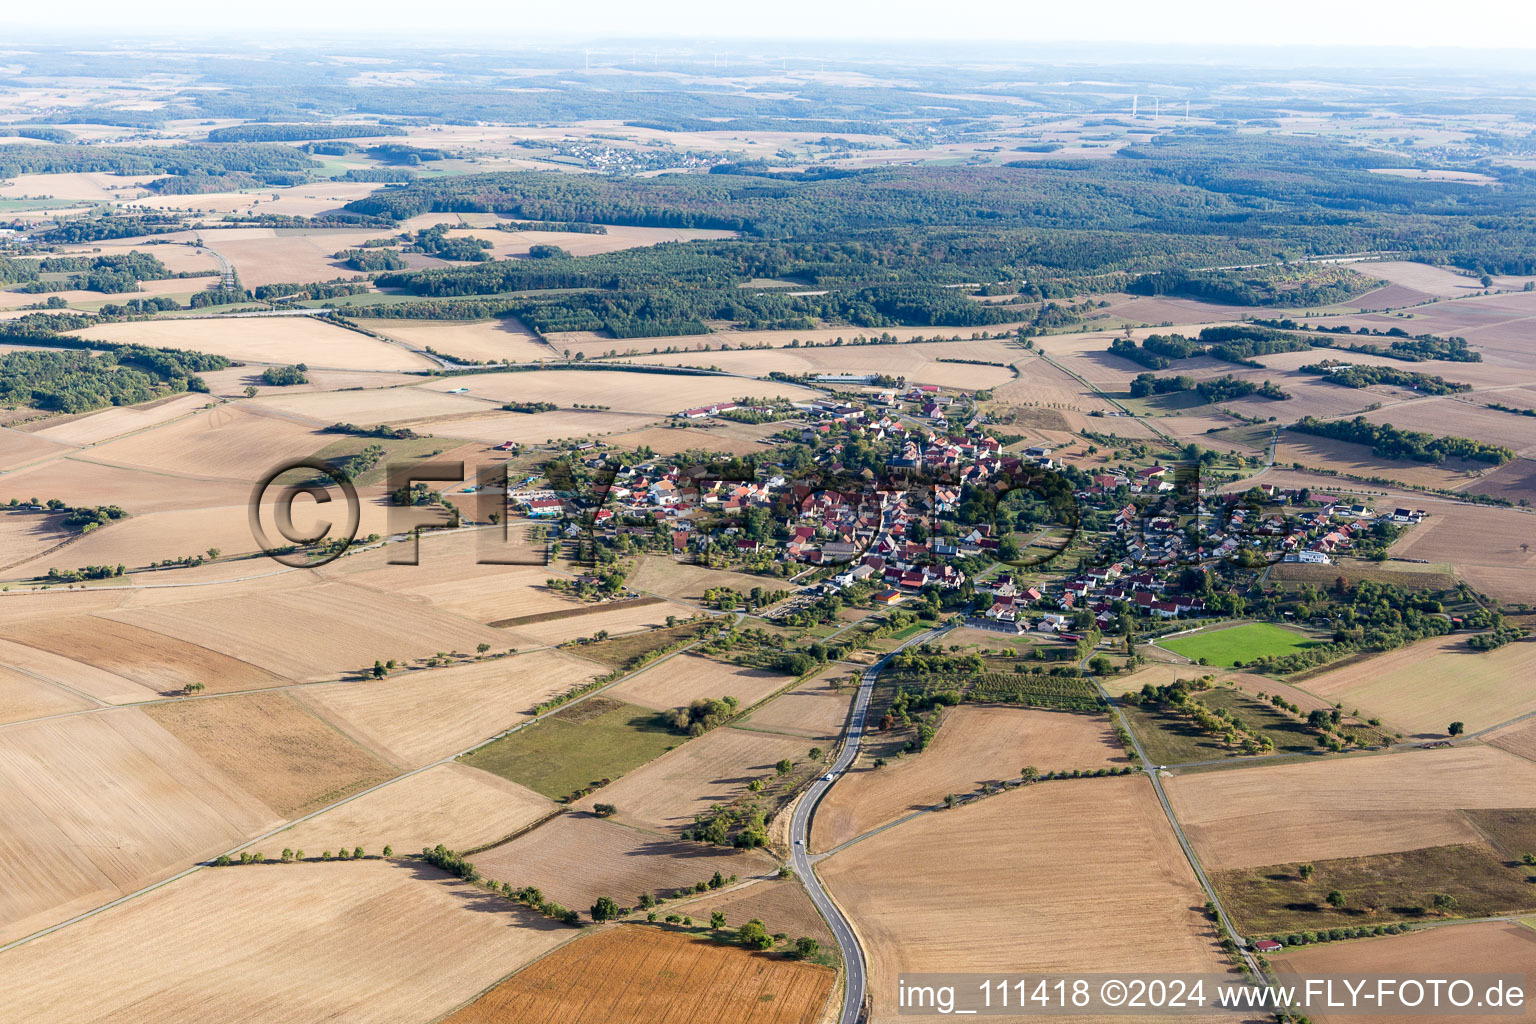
[1228,647]
[596,739]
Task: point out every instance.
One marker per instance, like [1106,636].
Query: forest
[1194,196]
[883,242]
[76,381]
[1364,375]
[300,132]
[271,163]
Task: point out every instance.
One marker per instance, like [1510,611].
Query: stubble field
[1349,807]
[1422,688]
[713,769]
[1493,947]
[97,805]
[273,747]
[417,717]
[925,895]
[687,677]
[272,339]
[450,804]
[975,745]
[397,942]
[577,857]
[633,974]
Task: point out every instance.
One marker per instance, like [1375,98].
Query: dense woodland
[76,381]
[889,245]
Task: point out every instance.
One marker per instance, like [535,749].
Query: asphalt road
[800,832]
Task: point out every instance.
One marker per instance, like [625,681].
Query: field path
[1152,773]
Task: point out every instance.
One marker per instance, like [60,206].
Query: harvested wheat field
[1420,689]
[713,769]
[372,941]
[314,632]
[27,535]
[20,449]
[1518,433]
[1490,947]
[488,341]
[92,185]
[578,857]
[534,428]
[918,363]
[1519,738]
[452,581]
[975,745]
[147,663]
[460,807]
[1357,460]
[268,339]
[368,406]
[232,382]
[158,536]
[99,426]
[1345,807]
[780,903]
[24,696]
[667,577]
[96,685]
[657,394]
[712,435]
[229,442]
[1483,543]
[622,617]
[814,710]
[417,717]
[273,747]
[1505,583]
[452,577]
[1421,277]
[688,677]
[639,973]
[76,482]
[925,894]
[97,805]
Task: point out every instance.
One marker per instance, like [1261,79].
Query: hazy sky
[1491,23]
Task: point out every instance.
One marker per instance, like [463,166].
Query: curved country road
[800,833]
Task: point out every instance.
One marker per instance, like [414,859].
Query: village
[1103,544]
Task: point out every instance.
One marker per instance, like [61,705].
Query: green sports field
[1227,647]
